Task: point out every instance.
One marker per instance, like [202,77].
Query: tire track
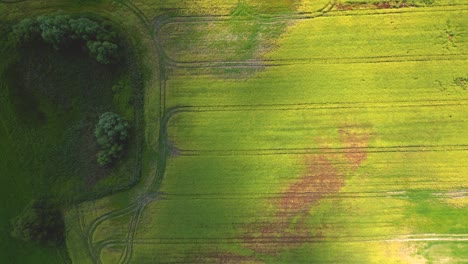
[97,222]
[317,60]
[274,195]
[128,249]
[12,1]
[293,239]
[292,151]
[133,208]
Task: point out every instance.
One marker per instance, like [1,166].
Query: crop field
[327,136]
[294,132]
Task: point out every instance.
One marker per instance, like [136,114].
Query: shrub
[111,133]
[40,222]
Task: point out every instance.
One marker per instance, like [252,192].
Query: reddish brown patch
[355,141]
[325,174]
[289,226]
[376,5]
[344,6]
[227,258]
[321,178]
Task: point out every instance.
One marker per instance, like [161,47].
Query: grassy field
[289,132]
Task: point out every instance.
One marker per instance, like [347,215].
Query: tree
[26,30]
[61,30]
[111,133]
[84,28]
[55,30]
[104,52]
[40,222]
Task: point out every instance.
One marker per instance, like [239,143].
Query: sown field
[294,132]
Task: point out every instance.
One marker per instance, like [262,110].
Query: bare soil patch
[227,258]
[376,5]
[355,141]
[325,174]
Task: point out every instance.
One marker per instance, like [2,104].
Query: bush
[61,30]
[40,222]
[111,133]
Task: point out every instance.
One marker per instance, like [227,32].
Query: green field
[275,132]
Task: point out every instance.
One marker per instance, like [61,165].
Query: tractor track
[97,222]
[274,195]
[293,239]
[12,1]
[303,151]
[128,249]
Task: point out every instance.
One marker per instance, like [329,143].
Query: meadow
[290,132]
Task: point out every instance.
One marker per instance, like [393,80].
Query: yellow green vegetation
[291,132]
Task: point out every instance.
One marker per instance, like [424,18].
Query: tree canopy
[61,30]
[111,133]
[40,222]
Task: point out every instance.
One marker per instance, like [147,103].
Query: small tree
[84,28]
[26,30]
[104,52]
[40,222]
[111,133]
[55,30]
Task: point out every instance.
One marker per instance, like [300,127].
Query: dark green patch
[430,214]
[49,103]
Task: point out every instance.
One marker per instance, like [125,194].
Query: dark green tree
[40,222]
[61,30]
[55,30]
[26,30]
[111,133]
[84,28]
[104,52]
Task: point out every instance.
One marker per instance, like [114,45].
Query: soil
[376,5]
[227,258]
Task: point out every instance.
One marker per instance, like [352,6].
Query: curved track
[12,1]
